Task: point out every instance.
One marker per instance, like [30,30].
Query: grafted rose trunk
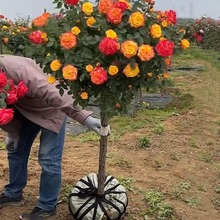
[102,158]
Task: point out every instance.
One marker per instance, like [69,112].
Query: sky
[13,9]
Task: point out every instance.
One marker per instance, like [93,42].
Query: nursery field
[167,159]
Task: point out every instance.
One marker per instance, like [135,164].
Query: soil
[186,152]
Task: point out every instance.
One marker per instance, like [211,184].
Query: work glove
[12,139]
[95,125]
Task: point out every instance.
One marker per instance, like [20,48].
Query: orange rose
[129,48]
[114,15]
[68,40]
[165,75]
[84,95]
[146,52]
[70,72]
[5,40]
[41,21]
[104,6]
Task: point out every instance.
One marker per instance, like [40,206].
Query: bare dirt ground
[182,163]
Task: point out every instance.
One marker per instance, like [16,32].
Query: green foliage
[14,35]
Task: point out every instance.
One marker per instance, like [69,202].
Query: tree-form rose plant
[106,52]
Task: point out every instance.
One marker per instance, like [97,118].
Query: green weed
[144,142]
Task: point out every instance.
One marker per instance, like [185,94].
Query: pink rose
[6,115]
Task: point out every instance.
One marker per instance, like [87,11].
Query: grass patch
[158,208]
[144,142]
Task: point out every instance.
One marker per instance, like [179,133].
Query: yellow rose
[150,74]
[55,65]
[136,19]
[43,35]
[89,68]
[90,21]
[164,23]
[51,79]
[111,34]
[156,31]
[84,95]
[113,70]
[129,48]
[184,43]
[87,8]
[129,72]
[75,30]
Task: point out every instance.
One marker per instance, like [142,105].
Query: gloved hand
[12,139]
[95,125]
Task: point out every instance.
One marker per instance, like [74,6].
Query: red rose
[3,80]
[98,75]
[171,16]
[11,98]
[2,16]
[71,2]
[21,89]
[199,39]
[108,46]
[165,48]
[6,115]
[122,5]
[36,37]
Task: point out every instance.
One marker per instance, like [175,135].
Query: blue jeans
[49,158]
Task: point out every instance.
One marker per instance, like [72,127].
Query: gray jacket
[42,104]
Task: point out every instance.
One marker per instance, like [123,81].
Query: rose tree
[105,51]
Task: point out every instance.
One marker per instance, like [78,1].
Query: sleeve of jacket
[38,86]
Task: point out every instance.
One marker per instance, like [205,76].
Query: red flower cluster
[9,95]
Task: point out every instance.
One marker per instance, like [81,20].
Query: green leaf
[50,43]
